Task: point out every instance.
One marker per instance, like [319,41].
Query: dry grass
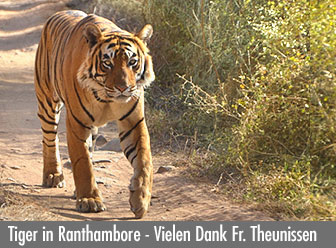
[16,207]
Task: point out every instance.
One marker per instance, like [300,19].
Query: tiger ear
[145,33]
[92,34]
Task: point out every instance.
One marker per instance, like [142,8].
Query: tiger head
[117,64]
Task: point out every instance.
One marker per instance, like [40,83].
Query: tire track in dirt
[176,197]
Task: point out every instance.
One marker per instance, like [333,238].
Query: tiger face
[117,65]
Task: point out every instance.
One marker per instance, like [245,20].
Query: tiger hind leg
[92,144]
[49,114]
[92,140]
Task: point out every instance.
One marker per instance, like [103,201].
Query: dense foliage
[257,79]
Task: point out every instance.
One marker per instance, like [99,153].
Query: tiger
[98,71]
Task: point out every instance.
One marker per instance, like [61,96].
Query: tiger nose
[121,88]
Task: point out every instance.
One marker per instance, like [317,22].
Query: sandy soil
[176,196]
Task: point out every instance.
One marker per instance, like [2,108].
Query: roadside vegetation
[247,89]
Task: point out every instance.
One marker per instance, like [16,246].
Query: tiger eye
[132,62]
[107,64]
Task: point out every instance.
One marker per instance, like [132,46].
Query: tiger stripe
[124,135]
[128,152]
[130,111]
[82,105]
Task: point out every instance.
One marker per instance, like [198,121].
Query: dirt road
[176,197]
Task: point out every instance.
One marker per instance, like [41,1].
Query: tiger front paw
[93,205]
[53,180]
[140,198]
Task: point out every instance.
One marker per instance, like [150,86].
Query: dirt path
[22,198]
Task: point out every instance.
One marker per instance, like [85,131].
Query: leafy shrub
[256,83]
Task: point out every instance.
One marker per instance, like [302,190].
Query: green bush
[255,83]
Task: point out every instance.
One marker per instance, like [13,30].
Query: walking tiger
[98,72]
